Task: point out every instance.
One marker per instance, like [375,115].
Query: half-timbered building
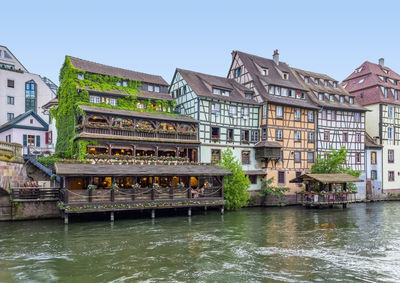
[228,116]
[377,87]
[340,120]
[287,117]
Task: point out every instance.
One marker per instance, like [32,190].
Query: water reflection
[284,244]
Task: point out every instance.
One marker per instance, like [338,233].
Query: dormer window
[248,95]
[316,81]
[351,100]
[341,99]
[326,83]
[150,87]
[157,88]
[395,94]
[361,81]
[331,98]
[320,96]
[81,76]
[358,70]
[222,92]
[285,76]
[124,83]
[237,72]
[334,84]
[306,79]
[386,71]
[264,72]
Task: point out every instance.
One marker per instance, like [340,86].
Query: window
[333,115]
[335,84]
[150,87]
[237,72]
[345,137]
[390,112]
[215,156]
[245,157]
[351,100]
[297,136]
[374,175]
[253,179]
[279,135]
[357,117]
[306,79]
[10,83]
[95,99]
[385,92]
[245,112]
[358,137]
[264,133]
[373,157]
[297,157]
[341,99]
[264,72]
[10,116]
[279,112]
[8,138]
[214,133]
[264,111]
[390,156]
[221,92]
[323,114]
[124,83]
[297,114]
[255,135]
[271,89]
[358,157]
[358,70]
[230,136]
[331,98]
[232,110]
[31,140]
[326,83]
[285,76]
[118,83]
[320,96]
[390,134]
[216,108]
[10,100]
[395,94]
[30,96]
[248,95]
[361,81]
[31,121]
[244,136]
[311,137]
[140,105]
[113,101]
[316,81]
[81,76]
[391,176]
[310,116]
[157,89]
[361,95]
[310,157]
[281,177]
[326,136]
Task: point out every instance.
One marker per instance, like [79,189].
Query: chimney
[382,62]
[275,57]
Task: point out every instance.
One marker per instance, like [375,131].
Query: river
[291,244]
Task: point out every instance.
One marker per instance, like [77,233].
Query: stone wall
[11,174]
[35,209]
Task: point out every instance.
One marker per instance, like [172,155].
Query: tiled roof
[268,144]
[202,85]
[252,63]
[314,90]
[101,69]
[370,143]
[13,122]
[369,84]
[52,102]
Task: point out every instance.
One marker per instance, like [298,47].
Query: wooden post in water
[222,209]
[189,211]
[153,213]
[65,218]
[112,216]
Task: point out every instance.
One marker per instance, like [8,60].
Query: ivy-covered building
[126,143]
[228,116]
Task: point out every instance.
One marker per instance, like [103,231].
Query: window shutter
[25,140]
[37,141]
[47,138]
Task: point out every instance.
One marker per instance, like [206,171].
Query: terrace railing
[309,198]
[35,193]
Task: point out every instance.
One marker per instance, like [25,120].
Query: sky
[331,37]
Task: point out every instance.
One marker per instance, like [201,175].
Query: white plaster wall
[376,185]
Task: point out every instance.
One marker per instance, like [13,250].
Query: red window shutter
[47,138]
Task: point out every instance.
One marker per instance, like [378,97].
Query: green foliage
[267,189]
[334,164]
[235,185]
[49,161]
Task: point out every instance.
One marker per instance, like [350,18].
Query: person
[195,193]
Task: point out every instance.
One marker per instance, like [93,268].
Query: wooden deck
[325,200]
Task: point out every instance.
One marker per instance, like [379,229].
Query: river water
[291,244]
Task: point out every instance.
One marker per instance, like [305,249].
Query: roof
[268,144]
[327,178]
[255,172]
[69,169]
[370,143]
[13,122]
[141,94]
[314,90]
[202,85]
[367,81]
[253,63]
[101,69]
[131,113]
[52,102]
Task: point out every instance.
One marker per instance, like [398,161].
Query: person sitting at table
[195,193]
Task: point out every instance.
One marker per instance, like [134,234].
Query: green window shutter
[38,141]
[25,140]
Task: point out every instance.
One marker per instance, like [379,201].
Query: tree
[235,185]
[334,164]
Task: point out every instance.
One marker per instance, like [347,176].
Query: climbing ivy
[73,91]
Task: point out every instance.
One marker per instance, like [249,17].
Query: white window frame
[94,99]
[279,114]
[232,110]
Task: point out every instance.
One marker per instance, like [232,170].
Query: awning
[70,169]
[327,178]
[256,172]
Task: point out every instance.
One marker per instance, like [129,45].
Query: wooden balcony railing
[136,133]
[35,193]
[308,198]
